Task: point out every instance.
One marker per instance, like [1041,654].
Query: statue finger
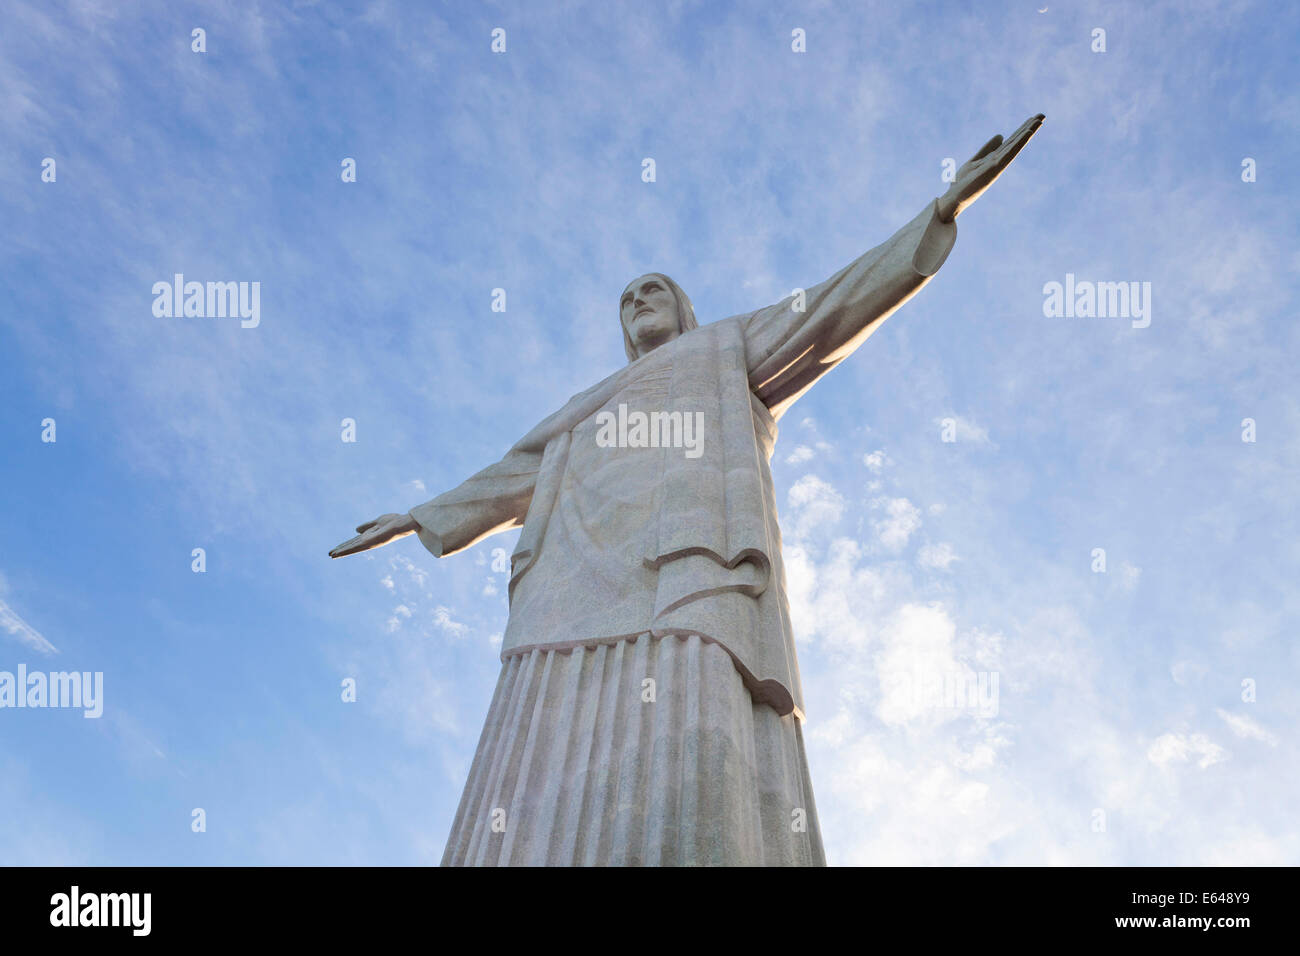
[358,544]
[347,547]
[1029,128]
[1022,127]
[1034,120]
[1016,144]
[987,148]
[1022,131]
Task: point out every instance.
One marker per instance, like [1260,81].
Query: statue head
[653,310]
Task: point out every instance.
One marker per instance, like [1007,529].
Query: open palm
[978,173]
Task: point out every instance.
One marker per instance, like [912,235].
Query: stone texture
[590,773]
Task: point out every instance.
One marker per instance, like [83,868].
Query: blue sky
[1118,691]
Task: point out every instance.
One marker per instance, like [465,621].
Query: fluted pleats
[648,751]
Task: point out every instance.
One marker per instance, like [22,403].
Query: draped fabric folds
[647,751]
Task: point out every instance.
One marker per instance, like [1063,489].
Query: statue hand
[977,173]
[374,534]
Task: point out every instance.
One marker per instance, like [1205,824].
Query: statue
[649,710]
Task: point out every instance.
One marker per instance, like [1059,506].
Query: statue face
[649,313]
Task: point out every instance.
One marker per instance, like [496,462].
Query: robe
[649,709]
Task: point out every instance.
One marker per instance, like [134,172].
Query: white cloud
[876,460]
[416,576]
[917,646]
[400,613]
[801,454]
[815,504]
[1180,748]
[936,556]
[443,621]
[902,519]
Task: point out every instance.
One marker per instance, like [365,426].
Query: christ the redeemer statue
[649,708]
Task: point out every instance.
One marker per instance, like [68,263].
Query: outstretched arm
[792,344]
[496,499]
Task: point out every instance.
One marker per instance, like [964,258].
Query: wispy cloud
[1246,727]
[23,632]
